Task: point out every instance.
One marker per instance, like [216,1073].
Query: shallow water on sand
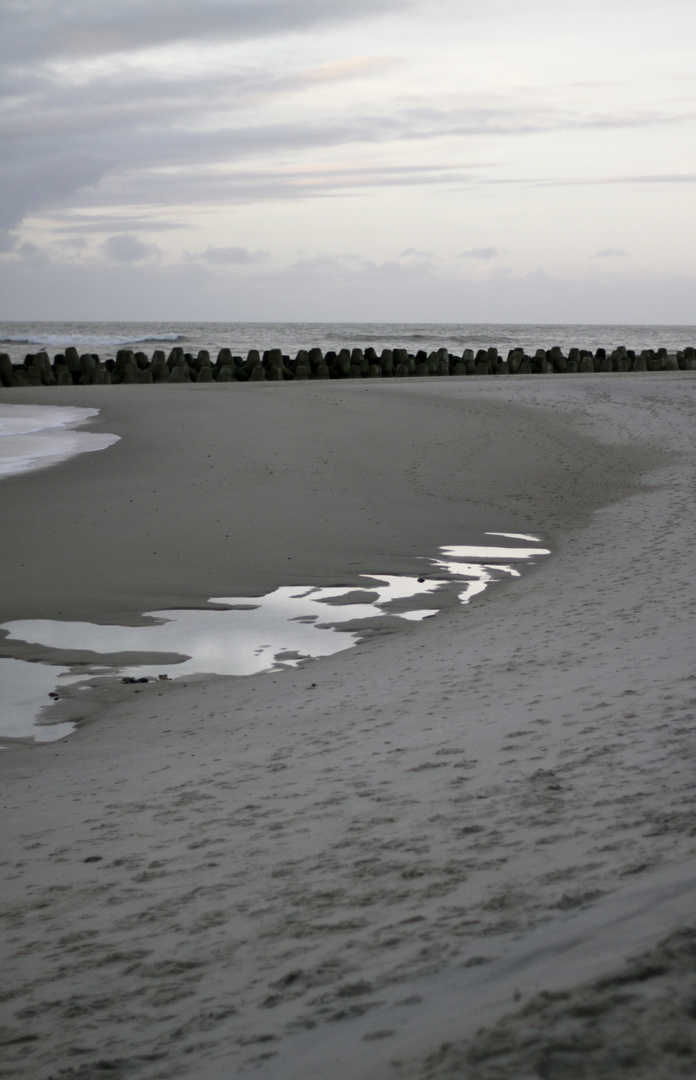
[34,436]
[239,635]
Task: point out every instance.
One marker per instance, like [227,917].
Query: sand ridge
[285,857]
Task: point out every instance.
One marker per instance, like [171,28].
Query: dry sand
[349,869]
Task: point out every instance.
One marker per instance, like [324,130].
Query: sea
[19,338]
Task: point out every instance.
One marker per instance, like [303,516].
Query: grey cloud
[324,289]
[350,268]
[100,223]
[127,159]
[8,241]
[27,250]
[610,253]
[482,253]
[128,248]
[120,103]
[640,178]
[61,138]
[76,243]
[141,134]
[43,176]
[121,132]
[237,256]
[36,29]
[193,185]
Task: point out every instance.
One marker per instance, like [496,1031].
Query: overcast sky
[392,160]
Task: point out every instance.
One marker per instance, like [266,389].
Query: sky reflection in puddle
[240,636]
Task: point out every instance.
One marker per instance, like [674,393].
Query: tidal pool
[238,635]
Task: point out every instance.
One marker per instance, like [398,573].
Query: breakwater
[75,368]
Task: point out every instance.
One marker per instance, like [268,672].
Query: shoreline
[281,854]
[265,488]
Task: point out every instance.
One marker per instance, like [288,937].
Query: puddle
[25,689]
[238,636]
[34,436]
[479,574]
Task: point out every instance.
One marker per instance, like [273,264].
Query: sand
[441,853]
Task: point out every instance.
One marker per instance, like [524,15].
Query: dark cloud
[38,29]
[233,256]
[126,247]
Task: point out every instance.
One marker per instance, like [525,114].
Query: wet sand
[339,869]
[216,490]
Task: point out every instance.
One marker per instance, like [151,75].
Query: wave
[109,341]
[19,338]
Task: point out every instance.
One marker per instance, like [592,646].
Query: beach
[374,864]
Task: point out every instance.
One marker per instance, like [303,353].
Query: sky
[348,160]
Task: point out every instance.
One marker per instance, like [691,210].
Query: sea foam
[34,436]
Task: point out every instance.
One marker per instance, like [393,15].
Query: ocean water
[20,338]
